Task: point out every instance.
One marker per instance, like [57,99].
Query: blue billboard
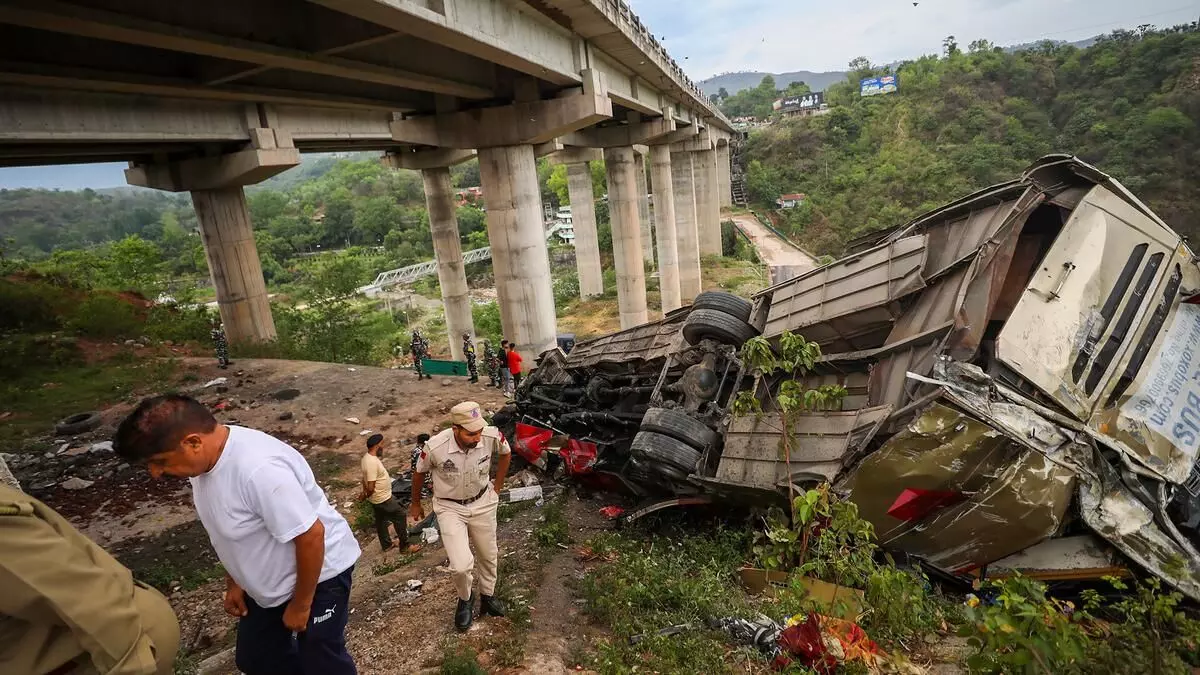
[873,86]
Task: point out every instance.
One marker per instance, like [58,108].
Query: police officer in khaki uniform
[66,606]
[465,503]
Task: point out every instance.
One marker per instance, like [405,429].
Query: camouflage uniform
[420,350]
[469,353]
[218,338]
[491,361]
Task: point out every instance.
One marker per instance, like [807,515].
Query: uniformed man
[465,503]
[492,362]
[469,353]
[221,344]
[68,607]
[420,350]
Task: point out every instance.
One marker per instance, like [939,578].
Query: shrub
[21,352]
[566,289]
[105,316]
[487,321]
[31,306]
[178,324]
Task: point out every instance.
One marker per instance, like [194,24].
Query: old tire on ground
[78,424]
[724,302]
[656,448]
[680,426]
[717,325]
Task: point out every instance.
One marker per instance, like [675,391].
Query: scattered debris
[213,383]
[76,483]
[521,494]
[524,478]
[352,420]
[285,394]
[611,512]
[446,382]
[283,416]
[102,446]
[430,535]
[414,584]
[365,432]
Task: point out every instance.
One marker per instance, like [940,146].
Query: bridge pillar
[664,227]
[447,250]
[686,233]
[643,203]
[708,212]
[519,256]
[723,178]
[583,217]
[225,228]
[626,233]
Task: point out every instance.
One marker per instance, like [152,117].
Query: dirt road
[774,252]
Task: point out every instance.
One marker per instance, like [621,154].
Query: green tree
[135,264]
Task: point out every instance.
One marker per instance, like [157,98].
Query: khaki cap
[468,416]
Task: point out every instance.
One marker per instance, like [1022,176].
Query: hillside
[732,83]
[969,119]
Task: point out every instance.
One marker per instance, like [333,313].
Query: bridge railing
[407,275]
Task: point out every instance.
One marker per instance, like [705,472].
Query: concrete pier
[583,216]
[447,250]
[519,257]
[686,233]
[708,212]
[237,276]
[725,197]
[643,197]
[626,230]
[664,227]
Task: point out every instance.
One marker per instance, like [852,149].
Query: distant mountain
[735,82]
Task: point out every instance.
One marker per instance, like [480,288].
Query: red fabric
[531,441]
[579,456]
[803,642]
[611,512]
[514,361]
[913,504]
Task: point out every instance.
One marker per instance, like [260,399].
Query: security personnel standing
[469,352]
[68,607]
[420,350]
[465,503]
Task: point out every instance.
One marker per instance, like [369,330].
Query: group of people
[503,366]
[289,556]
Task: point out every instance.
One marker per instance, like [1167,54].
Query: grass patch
[327,466]
[164,575]
[659,581]
[553,529]
[507,511]
[363,518]
[385,567]
[460,659]
[40,398]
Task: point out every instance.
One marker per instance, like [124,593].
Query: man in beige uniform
[66,606]
[465,503]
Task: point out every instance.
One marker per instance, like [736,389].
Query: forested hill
[971,118]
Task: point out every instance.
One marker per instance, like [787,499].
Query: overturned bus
[1022,369]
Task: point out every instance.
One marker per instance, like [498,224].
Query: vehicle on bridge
[1022,376]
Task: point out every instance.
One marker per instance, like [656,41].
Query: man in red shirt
[514,365]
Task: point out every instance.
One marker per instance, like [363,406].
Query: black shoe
[488,604]
[463,615]
[429,377]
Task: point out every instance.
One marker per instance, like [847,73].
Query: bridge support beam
[225,227]
[583,216]
[643,204]
[723,177]
[626,232]
[519,256]
[708,211]
[686,234]
[664,227]
[447,250]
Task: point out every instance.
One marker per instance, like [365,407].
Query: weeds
[553,530]
[460,659]
[384,568]
[165,575]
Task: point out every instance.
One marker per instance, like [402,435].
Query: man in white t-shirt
[288,554]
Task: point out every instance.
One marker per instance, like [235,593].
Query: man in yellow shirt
[377,489]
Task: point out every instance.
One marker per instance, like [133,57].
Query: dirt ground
[151,526]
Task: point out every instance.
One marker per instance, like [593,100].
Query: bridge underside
[211,96]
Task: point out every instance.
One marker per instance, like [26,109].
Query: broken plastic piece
[612,511]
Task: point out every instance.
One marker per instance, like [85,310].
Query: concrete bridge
[208,97]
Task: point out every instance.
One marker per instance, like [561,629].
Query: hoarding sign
[873,86]
[809,101]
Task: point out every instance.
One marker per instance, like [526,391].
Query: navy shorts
[267,647]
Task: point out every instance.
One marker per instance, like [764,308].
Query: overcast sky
[708,37]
